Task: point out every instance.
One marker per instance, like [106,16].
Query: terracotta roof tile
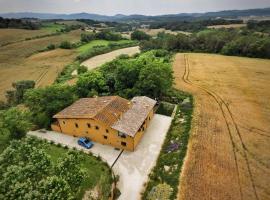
[114,111]
[132,120]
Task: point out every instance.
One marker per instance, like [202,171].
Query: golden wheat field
[8,36]
[229,150]
[227,26]
[21,61]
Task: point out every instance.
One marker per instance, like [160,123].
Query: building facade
[107,120]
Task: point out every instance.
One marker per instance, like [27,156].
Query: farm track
[229,119]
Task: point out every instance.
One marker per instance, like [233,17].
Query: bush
[82,69]
[51,47]
[140,35]
[15,122]
[65,45]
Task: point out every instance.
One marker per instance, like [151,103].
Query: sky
[112,7]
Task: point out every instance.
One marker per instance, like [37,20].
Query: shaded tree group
[227,42]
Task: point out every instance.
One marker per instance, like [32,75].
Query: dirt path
[107,57]
[229,154]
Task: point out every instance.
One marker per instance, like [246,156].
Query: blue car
[85,143]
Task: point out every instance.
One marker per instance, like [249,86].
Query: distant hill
[120,17]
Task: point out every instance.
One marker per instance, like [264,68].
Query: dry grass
[227,26]
[8,36]
[16,62]
[228,155]
[154,32]
[107,57]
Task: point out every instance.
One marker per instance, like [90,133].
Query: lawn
[52,27]
[90,45]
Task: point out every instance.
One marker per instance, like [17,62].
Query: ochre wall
[68,126]
[139,134]
[97,135]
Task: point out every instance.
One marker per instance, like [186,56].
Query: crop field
[228,155]
[20,61]
[154,32]
[107,57]
[8,36]
[228,26]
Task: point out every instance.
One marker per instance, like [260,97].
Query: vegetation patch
[171,157]
[33,169]
[165,108]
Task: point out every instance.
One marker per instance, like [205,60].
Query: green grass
[91,44]
[86,47]
[97,172]
[52,27]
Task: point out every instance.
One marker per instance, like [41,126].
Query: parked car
[84,142]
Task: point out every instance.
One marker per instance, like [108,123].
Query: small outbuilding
[109,120]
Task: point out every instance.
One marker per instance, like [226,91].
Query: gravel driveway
[132,167]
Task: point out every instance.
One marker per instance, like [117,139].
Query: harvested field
[228,155]
[154,32]
[42,68]
[227,26]
[107,57]
[16,62]
[8,36]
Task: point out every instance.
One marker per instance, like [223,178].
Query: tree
[155,79]
[87,37]
[46,102]
[69,169]
[26,172]
[65,45]
[160,192]
[15,96]
[55,188]
[82,69]
[15,122]
[90,83]
[140,35]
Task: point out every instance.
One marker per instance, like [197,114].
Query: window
[88,125]
[97,127]
[149,118]
[64,122]
[77,126]
[107,131]
[122,135]
[123,143]
[105,137]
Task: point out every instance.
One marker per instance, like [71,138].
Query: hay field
[227,26]
[19,61]
[8,36]
[154,32]
[99,60]
[229,150]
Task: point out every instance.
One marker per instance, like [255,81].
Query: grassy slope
[90,45]
[52,27]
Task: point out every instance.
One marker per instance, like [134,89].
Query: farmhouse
[109,120]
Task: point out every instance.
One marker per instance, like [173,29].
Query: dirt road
[229,150]
[107,57]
